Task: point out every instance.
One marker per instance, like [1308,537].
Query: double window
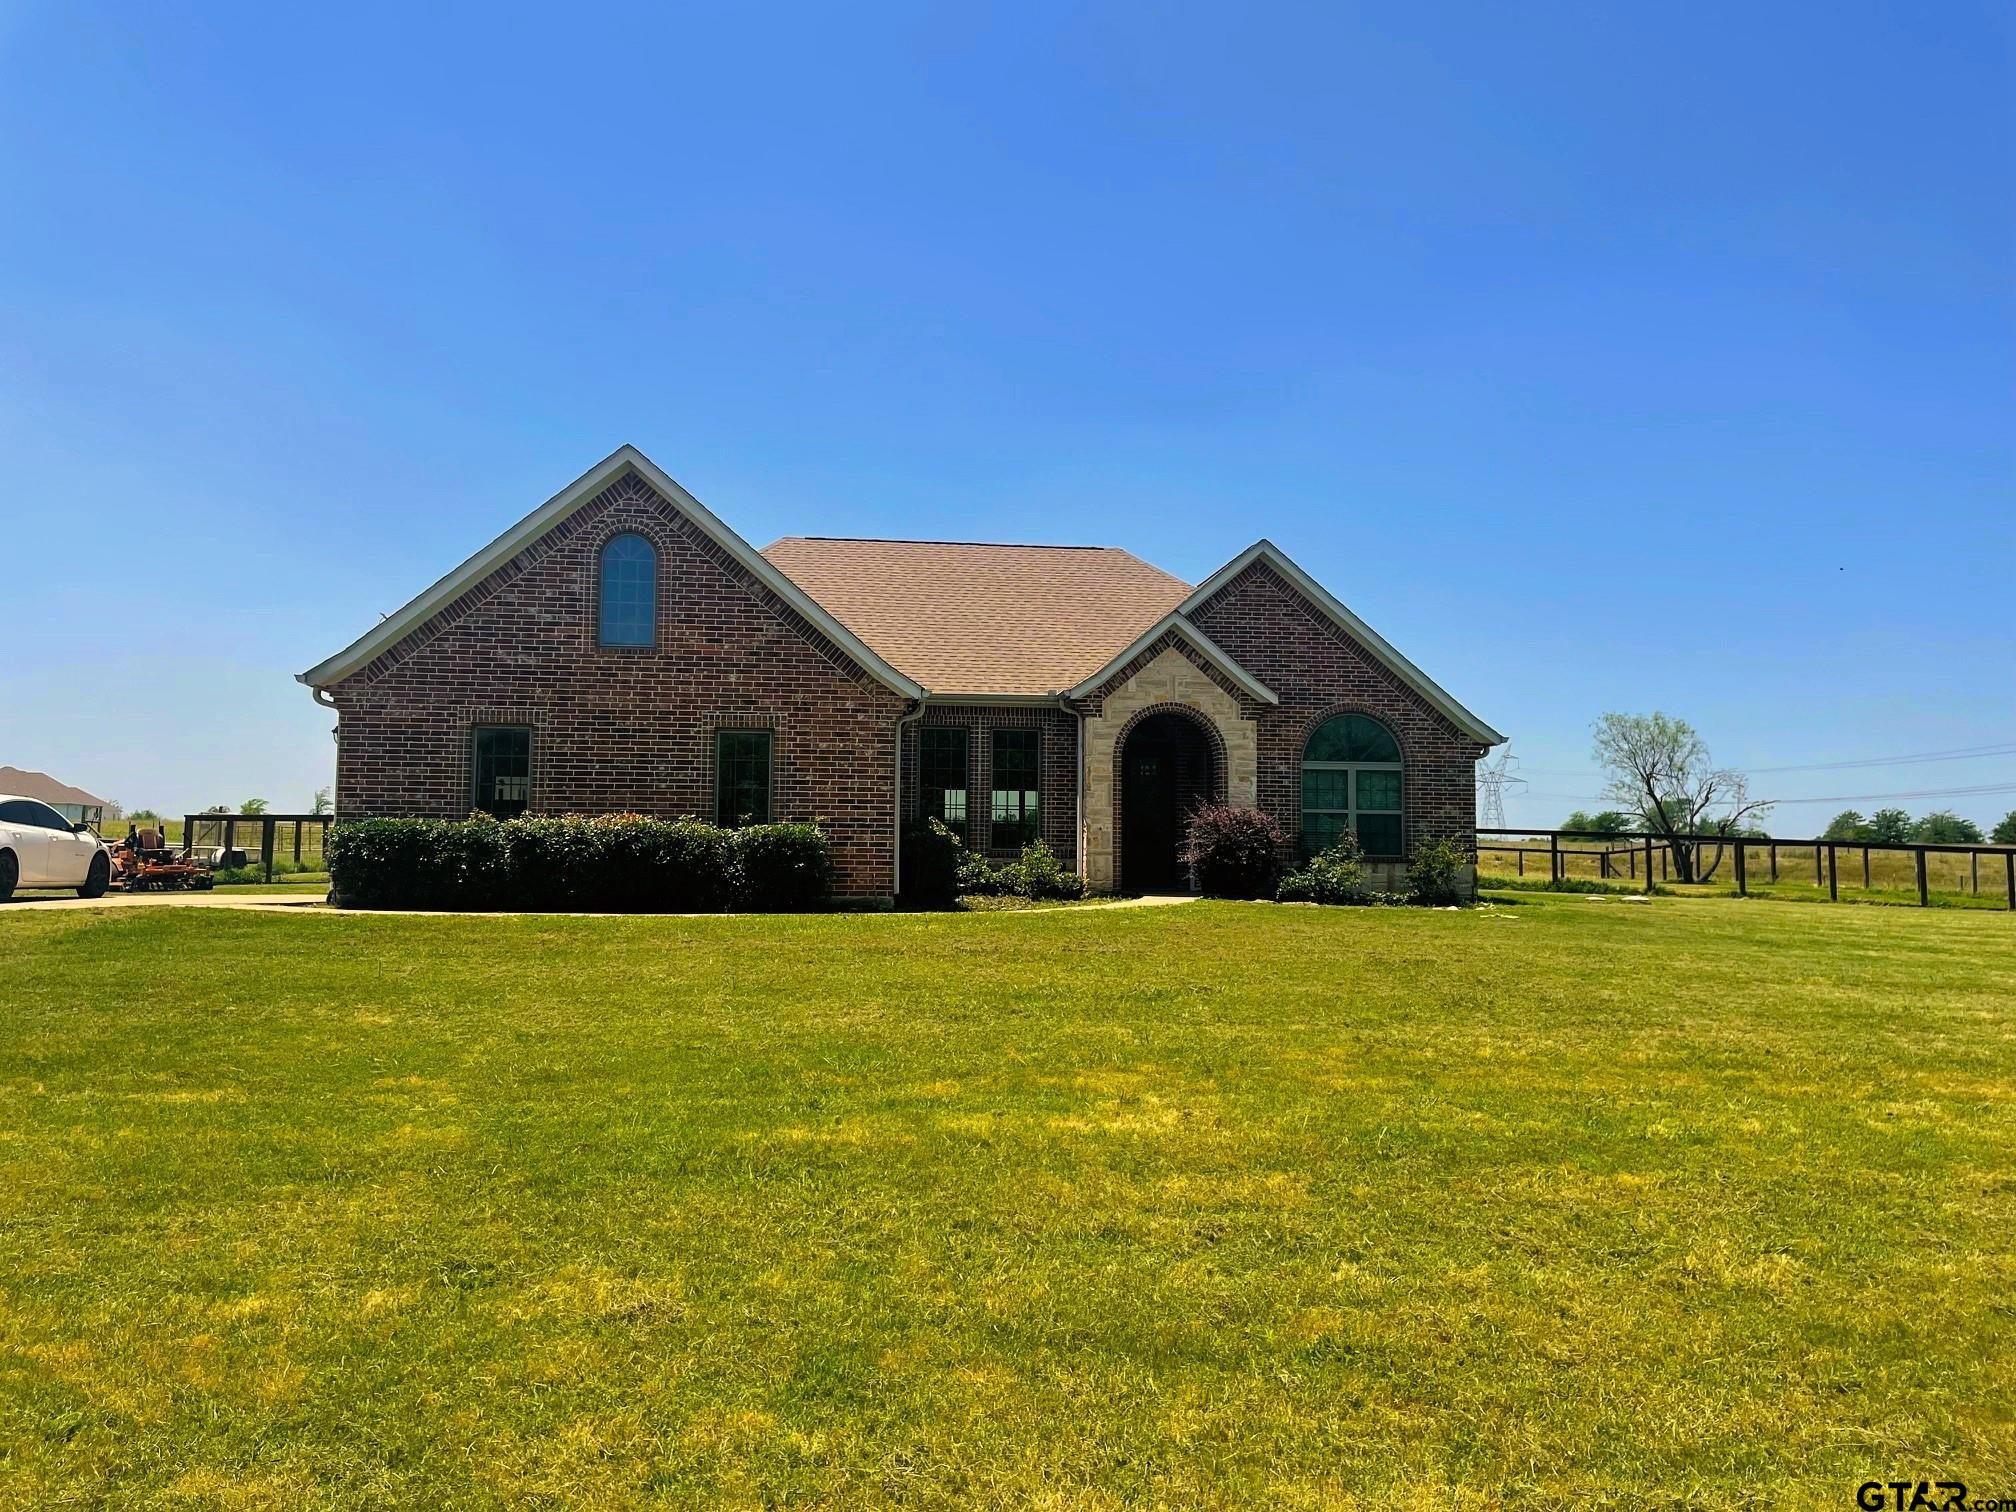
[1351,782]
[1018,759]
[741,777]
[941,774]
[500,768]
[629,597]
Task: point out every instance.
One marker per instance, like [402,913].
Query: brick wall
[629,728]
[1291,646]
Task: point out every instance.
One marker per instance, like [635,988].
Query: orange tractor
[144,862]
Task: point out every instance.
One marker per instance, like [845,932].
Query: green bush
[780,868]
[1336,876]
[977,877]
[933,858]
[620,863]
[1040,875]
[1435,874]
[1234,852]
[658,865]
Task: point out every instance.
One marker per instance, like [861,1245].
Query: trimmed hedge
[615,863]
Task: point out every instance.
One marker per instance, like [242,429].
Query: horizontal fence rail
[1631,853]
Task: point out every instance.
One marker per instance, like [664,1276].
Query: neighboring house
[73,803]
[621,649]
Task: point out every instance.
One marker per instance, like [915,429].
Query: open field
[1699,1202]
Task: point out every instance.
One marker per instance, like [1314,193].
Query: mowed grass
[1573,1201]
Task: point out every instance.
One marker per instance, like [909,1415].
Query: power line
[1987,791]
[1965,753]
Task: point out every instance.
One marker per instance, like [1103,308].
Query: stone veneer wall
[1168,678]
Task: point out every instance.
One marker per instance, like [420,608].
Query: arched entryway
[1168,766]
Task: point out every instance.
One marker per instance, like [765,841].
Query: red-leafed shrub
[1234,852]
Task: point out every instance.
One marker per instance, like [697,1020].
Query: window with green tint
[500,769]
[741,777]
[941,774]
[1352,781]
[1018,757]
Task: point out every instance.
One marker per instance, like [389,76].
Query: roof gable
[1266,552]
[1181,629]
[389,631]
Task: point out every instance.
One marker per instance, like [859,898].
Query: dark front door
[1165,771]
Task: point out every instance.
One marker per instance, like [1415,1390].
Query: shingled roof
[968,617]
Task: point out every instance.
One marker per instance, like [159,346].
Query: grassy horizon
[1564,1200]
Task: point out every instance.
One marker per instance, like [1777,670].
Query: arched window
[629,592]
[1351,781]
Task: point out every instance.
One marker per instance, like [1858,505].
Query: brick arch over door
[1214,740]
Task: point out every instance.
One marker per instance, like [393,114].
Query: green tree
[2004,832]
[1890,826]
[252,806]
[1846,825]
[1661,773]
[321,803]
[1947,828]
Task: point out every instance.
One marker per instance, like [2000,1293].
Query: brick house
[621,649]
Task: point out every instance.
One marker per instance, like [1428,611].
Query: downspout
[909,717]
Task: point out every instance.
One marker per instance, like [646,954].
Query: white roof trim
[1197,638]
[1320,596]
[390,630]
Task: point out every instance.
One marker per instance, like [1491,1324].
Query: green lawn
[1672,1203]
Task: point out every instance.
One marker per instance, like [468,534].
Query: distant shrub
[617,863]
[1234,852]
[781,867]
[933,857]
[1435,874]
[1336,876]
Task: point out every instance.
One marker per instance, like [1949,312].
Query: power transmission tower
[1493,777]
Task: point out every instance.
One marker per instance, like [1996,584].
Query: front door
[1151,823]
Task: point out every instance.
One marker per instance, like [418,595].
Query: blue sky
[1604,357]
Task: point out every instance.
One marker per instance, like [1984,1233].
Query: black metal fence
[1632,856]
[219,832]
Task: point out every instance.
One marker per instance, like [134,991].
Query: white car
[40,848]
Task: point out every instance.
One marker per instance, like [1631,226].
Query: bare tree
[1660,771]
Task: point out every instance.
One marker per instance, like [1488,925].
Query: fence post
[1648,871]
[1774,860]
[297,842]
[1924,895]
[1553,859]
[1865,868]
[1817,878]
[1833,877]
[266,828]
[1974,871]
[1603,863]
[2009,876]
[1522,860]
[1742,882]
